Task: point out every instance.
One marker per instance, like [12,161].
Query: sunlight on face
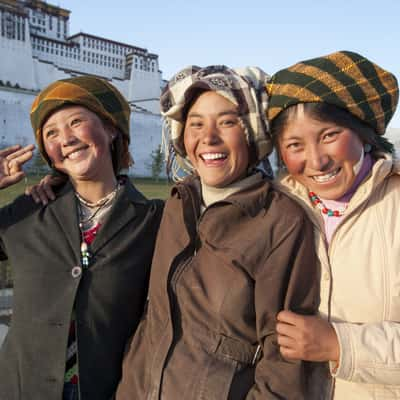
[215,141]
[320,155]
[78,143]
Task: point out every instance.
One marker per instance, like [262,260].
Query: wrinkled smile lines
[326,177]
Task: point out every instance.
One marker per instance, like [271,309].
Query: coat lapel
[122,213]
[64,210]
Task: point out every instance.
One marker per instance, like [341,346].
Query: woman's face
[215,141]
[78,143]
[320,155]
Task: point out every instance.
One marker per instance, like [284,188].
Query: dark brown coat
[216,285]
[43,245]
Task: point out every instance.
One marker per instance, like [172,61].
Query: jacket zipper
[182,262]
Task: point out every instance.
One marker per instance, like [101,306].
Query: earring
[367,147]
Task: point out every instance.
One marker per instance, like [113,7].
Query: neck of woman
[212,194]
[94,191]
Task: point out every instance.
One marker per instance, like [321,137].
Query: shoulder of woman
[286,201]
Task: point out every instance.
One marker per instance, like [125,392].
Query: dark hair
[330,113]
[120,155]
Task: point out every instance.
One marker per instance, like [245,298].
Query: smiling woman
[78,143]
[322,155]
[215,141]
[229,254]
[81,262]
[328,116]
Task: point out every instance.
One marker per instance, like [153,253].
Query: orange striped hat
[344,79]
[97,95]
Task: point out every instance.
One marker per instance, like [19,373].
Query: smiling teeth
[213,156]
[327,177]
[74,154]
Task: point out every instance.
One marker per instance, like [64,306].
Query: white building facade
[36,49]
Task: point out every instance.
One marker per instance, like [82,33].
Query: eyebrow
[294,137]
[46,126]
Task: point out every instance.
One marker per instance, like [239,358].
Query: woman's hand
[43,191]
[309,338]
[11,161]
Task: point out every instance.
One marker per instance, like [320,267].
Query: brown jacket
[216,285]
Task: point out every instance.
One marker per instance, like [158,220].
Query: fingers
[45,193]
[42,192]
[17,151]
[9,150]
[290,353]
[291,335]
[290,317]
[308,337]
[11,179]
[17,158]
[11,160]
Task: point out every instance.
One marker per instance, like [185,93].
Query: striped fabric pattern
[344,79]
[91,92]
[71,366]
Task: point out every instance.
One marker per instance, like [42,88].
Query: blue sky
[269,34]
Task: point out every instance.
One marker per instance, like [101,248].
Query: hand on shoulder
[43,192]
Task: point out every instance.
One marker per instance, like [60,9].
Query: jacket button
[76,272]
[326,276]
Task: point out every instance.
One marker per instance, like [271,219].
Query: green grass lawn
[149,187]
[153,189]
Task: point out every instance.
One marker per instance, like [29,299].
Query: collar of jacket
[249,200]
[131,192]
[65,211]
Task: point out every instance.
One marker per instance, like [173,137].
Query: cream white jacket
[360,284]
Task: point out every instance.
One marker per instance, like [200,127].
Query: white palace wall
[16,64]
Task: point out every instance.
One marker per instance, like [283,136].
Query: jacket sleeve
[289,279]
[13,213]
[369,353]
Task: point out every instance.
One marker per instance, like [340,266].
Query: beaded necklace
[325,210]
[88,218]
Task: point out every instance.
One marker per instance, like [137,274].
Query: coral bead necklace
[325,210]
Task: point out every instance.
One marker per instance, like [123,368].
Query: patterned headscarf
[242,87]
[95,94]
[344,79]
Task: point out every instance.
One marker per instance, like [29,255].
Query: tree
[157,162]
